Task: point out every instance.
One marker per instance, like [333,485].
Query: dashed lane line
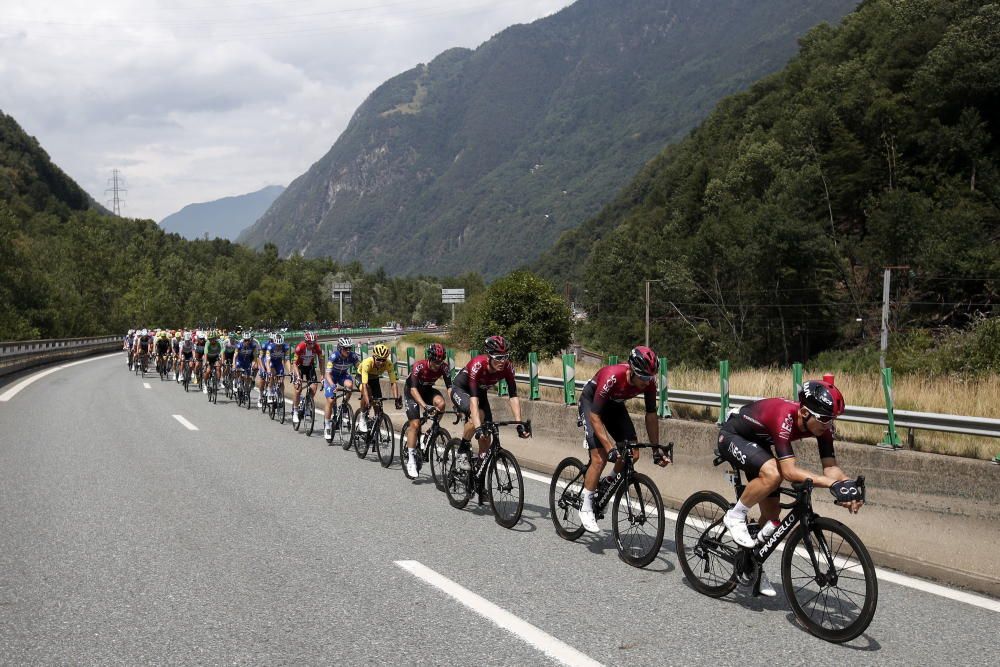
[188,425]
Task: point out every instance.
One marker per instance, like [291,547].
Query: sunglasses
[822,419]
[499,357]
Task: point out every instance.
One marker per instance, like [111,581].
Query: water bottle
[766,531]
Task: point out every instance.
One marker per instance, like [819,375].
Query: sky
[194,100]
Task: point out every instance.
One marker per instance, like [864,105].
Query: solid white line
[188,425]
[13,391]
[546,643]
[146,385]
[883,575]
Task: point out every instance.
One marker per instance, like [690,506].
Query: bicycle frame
[623,477]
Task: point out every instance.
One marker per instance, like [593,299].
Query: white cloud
[197,99]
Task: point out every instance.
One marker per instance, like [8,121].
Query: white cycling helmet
[247,335]
[144,332]
[279,339]
[271,335]
[187,335]
[345,343]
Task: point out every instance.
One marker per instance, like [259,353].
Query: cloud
[194,101]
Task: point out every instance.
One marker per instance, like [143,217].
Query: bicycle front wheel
[280,405]
[829,580]
[385,440]
[362,441]
[436,456]
[705,549]
[638,522]
[506,488]
[457,483]
[566,498]
[310,414]
[343,419]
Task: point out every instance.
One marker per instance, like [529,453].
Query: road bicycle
[430,446]
[274,400]
[306,407]
[341,420]
[227,380]
[244,385]
[826,572]
[637,517]
[186,378]
[495,477]
[161,366]
[212,384]
[140,365]
[380,434]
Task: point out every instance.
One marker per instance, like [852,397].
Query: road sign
[453,296]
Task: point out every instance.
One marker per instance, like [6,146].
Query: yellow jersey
[371,367]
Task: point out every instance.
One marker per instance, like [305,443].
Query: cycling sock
[588,501]
[739,510]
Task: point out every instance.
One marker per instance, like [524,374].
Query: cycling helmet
[435,352]
[345,343]
[201,335]
[233,337]
[643,361]
[247,335]
[309,337]
[187,335]
[131,331]
[279,339]
[380,351]
[822,399]
[496,347]
[271,335]
[178,335]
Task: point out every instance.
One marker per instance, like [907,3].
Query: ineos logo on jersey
[608,385]
[737,453]
[476,366]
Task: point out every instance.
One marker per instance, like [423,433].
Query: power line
[117,189]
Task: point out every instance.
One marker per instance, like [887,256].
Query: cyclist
[371,370]
[162,348]
[187,352]
[758,440]
[213,351]
[145,346]
[419,392]
[230,341]
[307,355]
[175,354]
[276,353]
[338,372]
[606,421]
[199,354]
[245,360]
[469,395]
[129,343]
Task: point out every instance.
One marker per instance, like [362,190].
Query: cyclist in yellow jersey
[371,370]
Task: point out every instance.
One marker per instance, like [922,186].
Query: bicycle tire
[297,424]
[506,489]
[435,454]
[281,406]
[348,438]
[702,541]
[187,379]
[804,572]
[362,440]
[404,451]
[636,546]
[385,440]
[565,498]
[310,414]
[457,483]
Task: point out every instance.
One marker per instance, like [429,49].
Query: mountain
[481,159]
[223,218]
[768,229]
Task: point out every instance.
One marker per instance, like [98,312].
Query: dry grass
[972,397]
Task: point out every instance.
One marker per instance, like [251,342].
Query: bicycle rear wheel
[436,456]
[310,414]
[280,405]
[566,498]
[457,483]
[834,599]
[705,549]
[340,426]
[296,424]
[385,440]
[506,489]
[637,521]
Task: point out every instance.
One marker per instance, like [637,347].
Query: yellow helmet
[380,351]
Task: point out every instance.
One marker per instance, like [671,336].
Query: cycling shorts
[412,407]
[187,356]
[244,363]
[229,355]
[162,347]
[210,360]
[744,455]
[614,416]
[374,386]
[339,380]
[461,400]
[307,373]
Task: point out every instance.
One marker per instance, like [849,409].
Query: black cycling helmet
[435,352]
[496,347]
[643,361]
[821,398]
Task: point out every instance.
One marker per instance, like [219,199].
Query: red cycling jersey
[305,354]
[611,384]
[770,422]
[477,375]
[424,375]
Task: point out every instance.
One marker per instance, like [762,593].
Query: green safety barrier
[502,388]
[535,393]
[796,380]
[364,350]
[411,358]
[451,364]
[892,438]
[663,407]
[569,378]
[473,354]
[612,359]
[723,390]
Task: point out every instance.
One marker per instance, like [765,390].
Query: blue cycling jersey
[246,351]
[339,365]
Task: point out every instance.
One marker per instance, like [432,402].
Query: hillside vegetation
[770,225]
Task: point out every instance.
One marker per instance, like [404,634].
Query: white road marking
[146,385]
[882,574]
[13,391]
[188,425]
[546,643]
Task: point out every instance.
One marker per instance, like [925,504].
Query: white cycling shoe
[589,521]
[328,432]
[737,527]
[295,417]
[411,467]
[363,425]
[766,588]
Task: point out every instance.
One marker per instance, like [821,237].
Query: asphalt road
[126,538]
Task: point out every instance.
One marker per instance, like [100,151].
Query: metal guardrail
[23,354]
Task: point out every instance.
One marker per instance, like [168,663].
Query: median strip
[188,425]
[544,642]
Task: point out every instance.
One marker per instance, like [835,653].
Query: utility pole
[886,278]
[647,306]
[116,186]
